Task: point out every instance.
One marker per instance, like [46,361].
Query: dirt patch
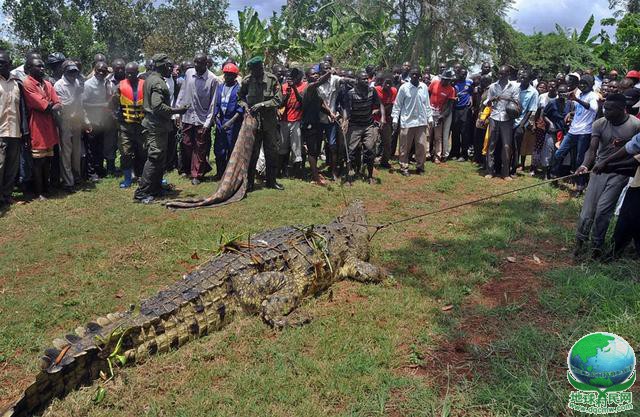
[511,297]
[13,381]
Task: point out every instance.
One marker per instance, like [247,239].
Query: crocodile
[233,184]
[268,275]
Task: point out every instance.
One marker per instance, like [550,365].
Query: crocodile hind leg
[361,271]
[274,295]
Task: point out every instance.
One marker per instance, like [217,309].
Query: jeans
[329,129]
[581,143]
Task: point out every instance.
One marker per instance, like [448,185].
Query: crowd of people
[60,127]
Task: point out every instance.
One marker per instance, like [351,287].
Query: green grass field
[458,330]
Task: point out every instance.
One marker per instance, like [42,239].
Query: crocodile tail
[73,361]
[233,185]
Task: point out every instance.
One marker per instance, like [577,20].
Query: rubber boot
[128,178]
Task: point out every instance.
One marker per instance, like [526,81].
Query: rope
[379,227]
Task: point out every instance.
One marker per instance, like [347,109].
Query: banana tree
[268,38]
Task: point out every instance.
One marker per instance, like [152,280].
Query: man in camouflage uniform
[156,124]
[261,95]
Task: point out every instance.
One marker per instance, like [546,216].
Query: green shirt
[156,104]
[266,91]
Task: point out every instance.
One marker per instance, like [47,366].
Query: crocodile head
[355,218]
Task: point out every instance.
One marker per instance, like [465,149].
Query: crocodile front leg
[361,271]
[274,296]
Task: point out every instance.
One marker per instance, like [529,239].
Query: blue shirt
[463,91]
[633,146]
[528,102]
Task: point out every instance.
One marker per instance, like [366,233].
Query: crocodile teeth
[93,327]
[60,343]
[45,361]
[103,321]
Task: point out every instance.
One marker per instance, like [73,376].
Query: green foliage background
[355,32]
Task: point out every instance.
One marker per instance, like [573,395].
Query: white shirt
[9,108]
[19,73]
[543,100]
[329,93]
[412,106]
[70,95]
[224,98]
[582,122]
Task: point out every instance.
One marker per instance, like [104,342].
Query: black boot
[297,170]
[271,178]
[284,166]
[111,167]
[251,177]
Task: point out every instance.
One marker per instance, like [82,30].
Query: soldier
[127,100]
[261,95]
[157,125]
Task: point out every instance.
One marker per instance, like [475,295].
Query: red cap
[633,74]
[231,67]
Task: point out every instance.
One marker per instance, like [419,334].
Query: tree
[628,39]
[182,28]
[52,25]
[121,25]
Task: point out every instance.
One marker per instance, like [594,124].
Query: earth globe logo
[602,364]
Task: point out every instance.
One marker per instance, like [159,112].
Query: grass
[369,350]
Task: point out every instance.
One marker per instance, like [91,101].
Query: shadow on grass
[521,372]
[469,248]
[515,374]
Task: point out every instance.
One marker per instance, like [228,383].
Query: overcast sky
[527,15]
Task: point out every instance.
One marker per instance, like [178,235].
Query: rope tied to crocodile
[381,226]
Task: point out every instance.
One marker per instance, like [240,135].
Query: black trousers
[501,133]
[628,226]
[478,144]
[518,136]
[41,172]
[460,139]
[94,145]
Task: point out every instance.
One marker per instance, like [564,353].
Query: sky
[527,15]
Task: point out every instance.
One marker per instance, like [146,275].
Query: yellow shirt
[9,108]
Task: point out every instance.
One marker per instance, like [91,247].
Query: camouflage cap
[159,59]
[255,61]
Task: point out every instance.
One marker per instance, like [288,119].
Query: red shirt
[293,108]
[387,99]
[439,95]
[44,134]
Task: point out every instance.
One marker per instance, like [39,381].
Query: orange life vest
[131,109]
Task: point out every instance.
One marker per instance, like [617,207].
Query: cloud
[527,16]
[542,15]
[264,8]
